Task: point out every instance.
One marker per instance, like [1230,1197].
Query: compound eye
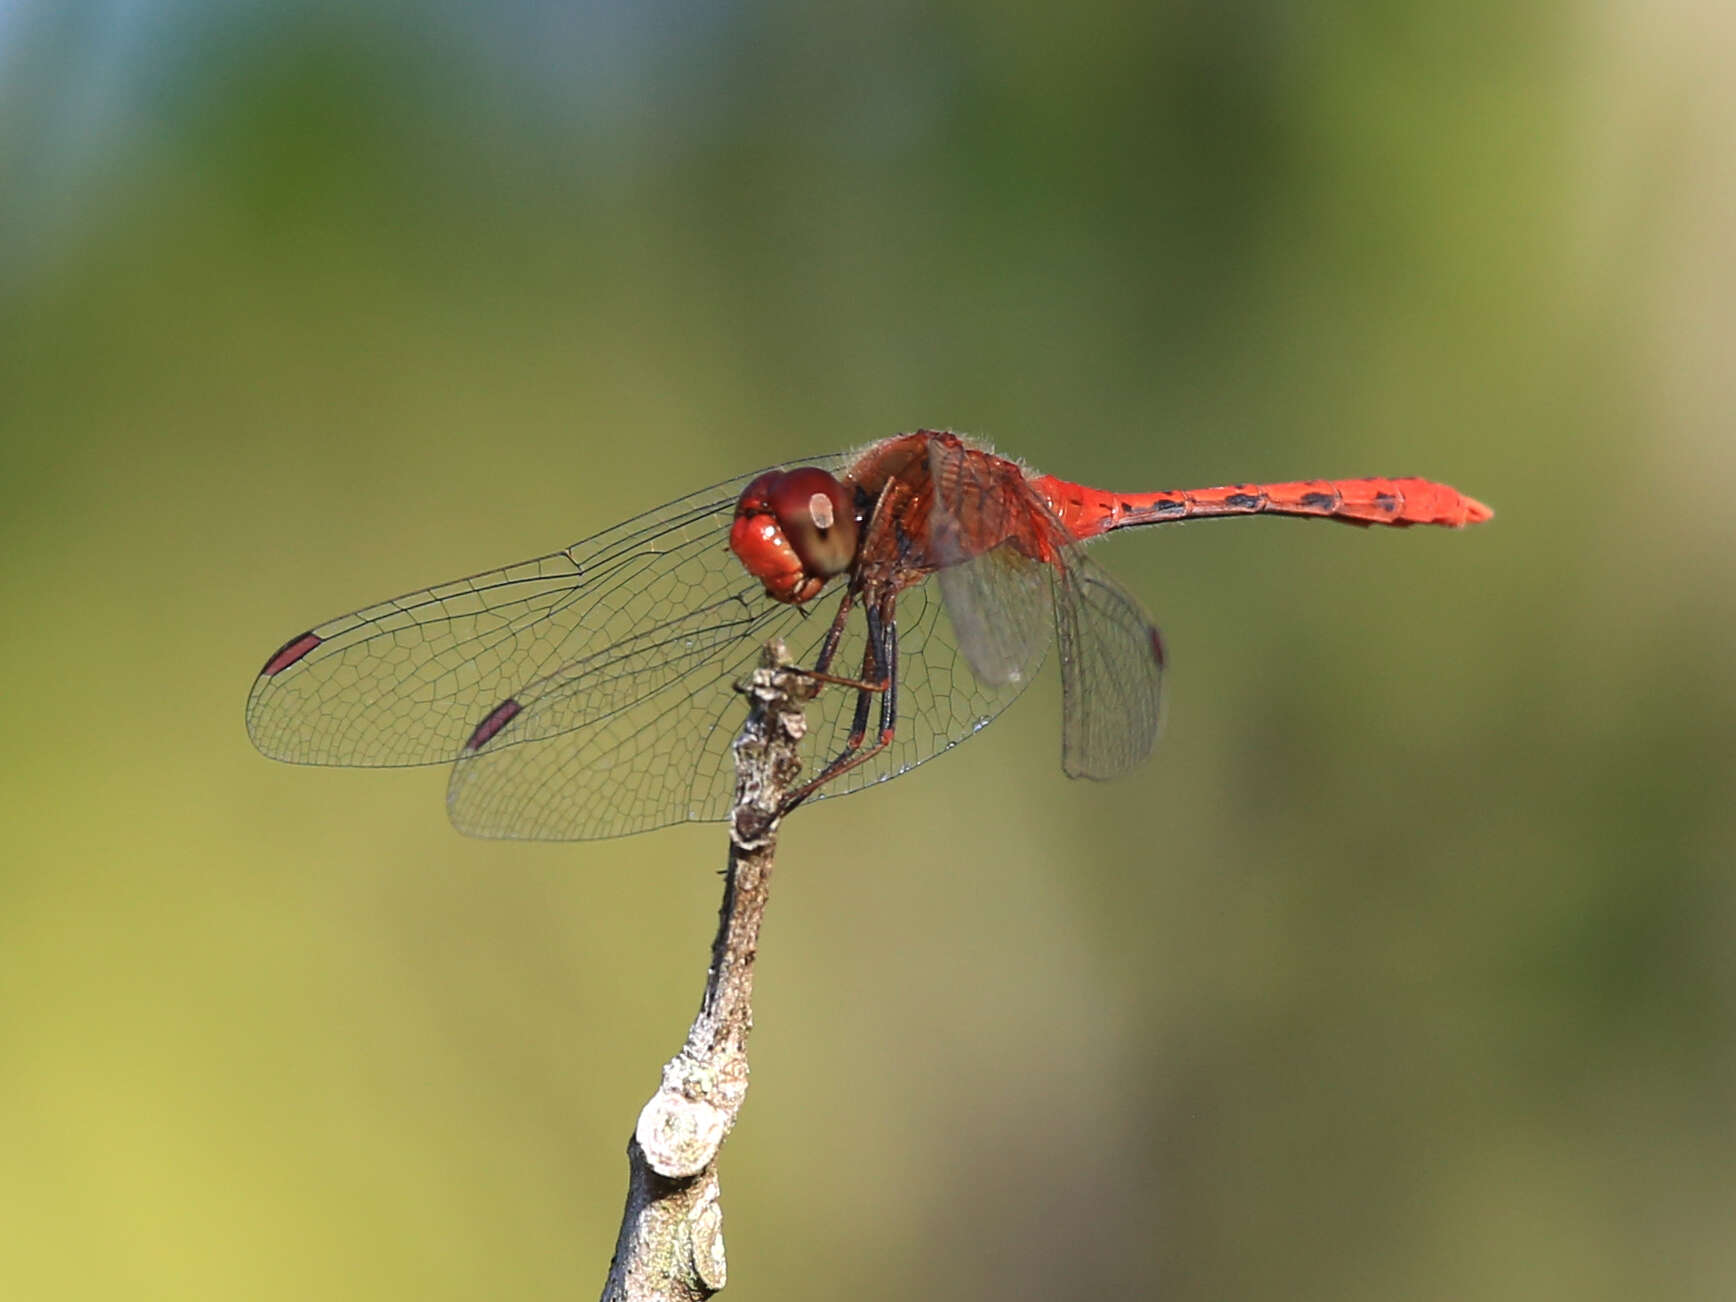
[816,515]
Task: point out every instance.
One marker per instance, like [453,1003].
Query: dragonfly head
[794,530]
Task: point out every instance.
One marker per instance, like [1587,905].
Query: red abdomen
[1397,502]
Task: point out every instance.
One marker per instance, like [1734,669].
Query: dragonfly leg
[879,675]
[829,648]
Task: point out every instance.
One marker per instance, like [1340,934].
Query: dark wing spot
[287,654]
[1244,501]
[1320,501]
[1157,648]
[498,718]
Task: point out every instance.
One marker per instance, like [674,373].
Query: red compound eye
[816,516]
[794,529]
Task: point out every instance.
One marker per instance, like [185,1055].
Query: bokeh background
[1405,969]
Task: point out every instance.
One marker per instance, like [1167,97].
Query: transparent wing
[661,757]
[666,758]
[633,613]
[998,598]
[999,607]
[1111,672]
[988,527]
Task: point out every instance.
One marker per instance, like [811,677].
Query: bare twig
[671,1244]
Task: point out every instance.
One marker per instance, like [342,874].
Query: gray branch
[671,1244]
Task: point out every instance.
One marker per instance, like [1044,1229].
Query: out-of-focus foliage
[1404,970]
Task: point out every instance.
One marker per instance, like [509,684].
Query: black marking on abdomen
[291,651]
[498,718]
[1320,501]
[1386,502]
[1244,501]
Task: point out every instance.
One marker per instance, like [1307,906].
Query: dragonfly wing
[421,679]
[651,745]
[999,607]
[989,527]
[997,598]
[1111,672]
[665,758]
[941,700]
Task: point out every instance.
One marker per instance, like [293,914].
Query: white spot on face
[820,508]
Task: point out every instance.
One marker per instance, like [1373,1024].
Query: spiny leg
[879,674]
[829,647]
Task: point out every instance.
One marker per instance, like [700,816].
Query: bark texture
[671,1242]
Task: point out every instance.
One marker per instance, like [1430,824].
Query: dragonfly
[586,693]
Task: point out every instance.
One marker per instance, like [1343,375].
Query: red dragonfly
[585,694]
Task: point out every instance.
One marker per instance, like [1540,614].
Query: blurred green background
[1405,969]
